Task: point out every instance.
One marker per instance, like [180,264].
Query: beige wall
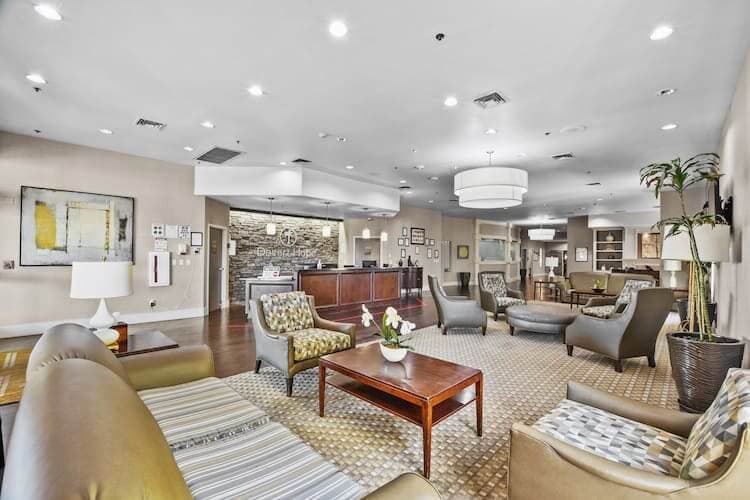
[163,193]
[580,235]
[216,214]
[459,231]
[734,277]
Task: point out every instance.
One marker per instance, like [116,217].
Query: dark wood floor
[230,335]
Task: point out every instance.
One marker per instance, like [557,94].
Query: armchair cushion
[615,438]
[287,312]
[714,436]
[495,284]
[315,342]
[508,301]
[630,287]
[603,312]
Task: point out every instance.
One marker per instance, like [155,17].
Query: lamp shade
[671,265]
[551,262]
[383,236]
[712,243]
[101,280]
[491,187]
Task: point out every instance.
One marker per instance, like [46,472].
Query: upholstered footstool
[539,318]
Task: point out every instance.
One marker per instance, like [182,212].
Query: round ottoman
[539,318]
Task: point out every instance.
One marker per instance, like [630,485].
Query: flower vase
[392,354]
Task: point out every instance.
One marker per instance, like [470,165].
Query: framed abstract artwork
[462,251]
[649,245]
[60,227]
[417,236]
[582,254]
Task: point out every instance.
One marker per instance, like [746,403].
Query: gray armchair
[454,312]
[628,335]
[291,336]
[604,307]
[494,293]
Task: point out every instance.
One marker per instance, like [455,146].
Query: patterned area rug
[525,376]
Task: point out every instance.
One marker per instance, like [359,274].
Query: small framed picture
[417,236]
[462,251]
[436,254]
[582,254]
[196,239]
[416,250]
[404,232]
[400,242]
[403,253]
[429,253]
[406,242]
[432,242]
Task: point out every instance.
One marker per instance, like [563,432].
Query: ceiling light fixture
[521,155]
[434,178]
[450,101]
[666,91]
[47,11]
[106,131]
[430,201]
[282,163]
[36,78]
[255,90]
[350,167]
[338,29]
[271,226]
[661,32]
[326,227]
[490,131]
[207,124]
[187,148]
[383,236]
[410,192]
[402,181]
[419,167]
[490,187]
[542,234]
[669,126]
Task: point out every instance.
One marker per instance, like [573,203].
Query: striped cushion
[615,438]
[268,463]
[199,412]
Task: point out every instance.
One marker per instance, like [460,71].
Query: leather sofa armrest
[516,294]
[569,470]
[169,367]
[408,485]
[601,301]
[676,422]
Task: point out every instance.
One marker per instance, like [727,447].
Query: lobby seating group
[584,281]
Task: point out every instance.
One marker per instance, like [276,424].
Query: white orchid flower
[407,327]
[366,318]
[364,308]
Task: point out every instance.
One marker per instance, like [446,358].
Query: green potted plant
[395,331]
[598,286]
[700,358]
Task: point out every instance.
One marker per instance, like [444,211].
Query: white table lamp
[102,280]
[552,263]
[672,267]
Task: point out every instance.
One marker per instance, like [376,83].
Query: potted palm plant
[700,358]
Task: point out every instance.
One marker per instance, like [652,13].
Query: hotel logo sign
[288,237]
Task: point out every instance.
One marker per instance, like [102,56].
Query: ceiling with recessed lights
[369,86]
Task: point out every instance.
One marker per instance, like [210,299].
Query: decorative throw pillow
[714,435]
[287,312]
[630,287]
[495,284]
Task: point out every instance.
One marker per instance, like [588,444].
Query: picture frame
[416,250]
[436,254]
[432,242]
[403,253]
[429,253]
[649,245]
[404,231]
[582,254]
[418,236]
[462,252]
[400,242]
[196,239]
[100,225]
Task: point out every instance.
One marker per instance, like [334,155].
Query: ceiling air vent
[563,156]
[594,184]
[142,122]
[218,155]
[490,100]
[300,160]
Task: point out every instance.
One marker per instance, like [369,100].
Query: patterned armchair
[604,307]
[290,335]
[597,445]
[495,294]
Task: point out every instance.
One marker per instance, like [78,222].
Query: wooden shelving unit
[608,248]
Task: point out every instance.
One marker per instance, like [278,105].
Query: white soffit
[645,218]
[294,182]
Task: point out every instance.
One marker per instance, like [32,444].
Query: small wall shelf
[608,248]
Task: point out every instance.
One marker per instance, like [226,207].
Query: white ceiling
[559,64]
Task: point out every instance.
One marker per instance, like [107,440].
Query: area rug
[524,377]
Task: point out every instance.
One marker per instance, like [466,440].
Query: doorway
[217,265]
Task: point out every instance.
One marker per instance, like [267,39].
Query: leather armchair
[454,312]
[408,485]
[572,473]
[490,302]
[628,335]
[278,349]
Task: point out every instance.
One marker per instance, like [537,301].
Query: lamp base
[551,275]
[103,318]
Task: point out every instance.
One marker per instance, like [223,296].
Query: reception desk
[350,285]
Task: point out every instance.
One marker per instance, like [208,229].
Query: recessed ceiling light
[402,181]
[338,29]
[410,192]
[521,155]
[207,124]
[450,101]
[661,32]
[669,126]
[255,90]
[490,131]
[350,167]
[414,150]
[282,163]
[600,199]
[666,91]
[434,178]
[341,139]
[47,11]
[187,148]
[36,78]
[106,131]
[430,201]
[419,167]
[455,167]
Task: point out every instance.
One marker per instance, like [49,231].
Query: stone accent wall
[256,249]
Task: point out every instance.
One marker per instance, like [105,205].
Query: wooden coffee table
[144,342]
[420,389]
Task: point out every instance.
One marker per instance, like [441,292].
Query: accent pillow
[287,312]
[714,435]
[495,284]
[630,287]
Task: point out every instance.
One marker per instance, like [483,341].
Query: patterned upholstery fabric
[630,287]
[603,312]
[315,342]
[495,283]
[714,435]
[507,301]
[287,312]
[615,438]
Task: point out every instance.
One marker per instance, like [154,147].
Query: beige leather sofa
[584,281]
[86,428]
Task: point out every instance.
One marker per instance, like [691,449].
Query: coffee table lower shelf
[399,407]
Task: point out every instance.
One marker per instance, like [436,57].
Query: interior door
[215,268]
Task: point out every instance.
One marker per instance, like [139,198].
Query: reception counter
[352,285]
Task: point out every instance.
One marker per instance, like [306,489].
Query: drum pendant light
[491,187]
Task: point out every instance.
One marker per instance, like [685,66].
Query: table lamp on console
[102,280]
